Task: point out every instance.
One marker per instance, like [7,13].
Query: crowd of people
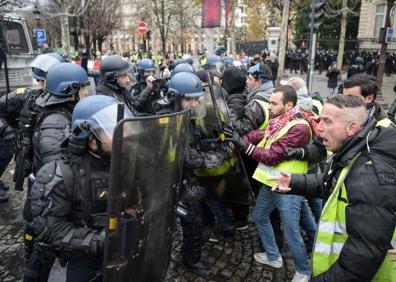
[324,167]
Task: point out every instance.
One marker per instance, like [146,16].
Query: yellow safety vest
[263,171]
[332,235]
[385,122]
[264,106]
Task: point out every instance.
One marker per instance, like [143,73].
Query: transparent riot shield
[146,167]
[237,187]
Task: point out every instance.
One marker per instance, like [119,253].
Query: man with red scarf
[287,128]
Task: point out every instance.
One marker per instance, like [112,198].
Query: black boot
[199,268]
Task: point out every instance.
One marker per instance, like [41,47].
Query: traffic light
[317,13]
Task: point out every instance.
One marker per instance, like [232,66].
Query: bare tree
[343,8]
[63,9]
[8,5]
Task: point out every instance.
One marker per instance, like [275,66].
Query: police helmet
[227,61]
[146,65]
[220,50]
[96,115]
[184,67]
[174,63]
[113,66]
[215,65]
[65,79]
[186,84]
[41,64]
[188,59]
[359,61]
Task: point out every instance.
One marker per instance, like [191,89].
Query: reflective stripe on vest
[318,105]
[385,122]
[264,107]
[218,170]
[263,171]
[332,234]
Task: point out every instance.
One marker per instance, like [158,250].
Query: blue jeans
[289,207]
[316,207]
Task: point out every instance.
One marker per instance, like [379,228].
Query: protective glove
[296,153]
[233,136]
[8,134]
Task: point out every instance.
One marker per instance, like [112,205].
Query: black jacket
[68,202]
[370,214]
[115,92]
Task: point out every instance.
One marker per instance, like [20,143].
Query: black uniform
[119,93]
[51,129]
[68,207]
[144,99]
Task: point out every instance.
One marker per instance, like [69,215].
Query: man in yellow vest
[357,225]
[286,128]
[360,85]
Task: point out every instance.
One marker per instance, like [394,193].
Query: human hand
[294,153]
[150,82]
[232,135]
[282,183]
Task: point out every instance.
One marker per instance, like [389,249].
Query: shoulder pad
[20,91]
[46,173]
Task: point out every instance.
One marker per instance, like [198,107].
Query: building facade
[372,18]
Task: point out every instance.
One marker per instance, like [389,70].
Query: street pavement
[231,259]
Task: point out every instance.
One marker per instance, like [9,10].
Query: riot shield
[237,189]
[146,167]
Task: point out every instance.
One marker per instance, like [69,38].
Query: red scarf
[279,122]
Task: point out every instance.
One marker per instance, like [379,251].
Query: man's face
[83,92]
[332,128]
[356,91]
[251,82]
[189,103]
[123,80]
[276,106]
[148,73]
[106,140]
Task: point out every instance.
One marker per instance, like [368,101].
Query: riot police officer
[17,112]
[185,90]
[66,84]
[115,79]
[146,91]
[69,197]
[216,66]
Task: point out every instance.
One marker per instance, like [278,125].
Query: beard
[271,115]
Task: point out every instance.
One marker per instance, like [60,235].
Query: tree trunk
[283,37]
[342,34]
[64,20]
[232,27]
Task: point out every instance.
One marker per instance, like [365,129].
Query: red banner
[211,13]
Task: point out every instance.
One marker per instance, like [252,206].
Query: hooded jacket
[253,115]
[234,82]
[370,215]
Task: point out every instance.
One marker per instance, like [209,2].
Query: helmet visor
[102,124]
[44,62]
[199,110]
